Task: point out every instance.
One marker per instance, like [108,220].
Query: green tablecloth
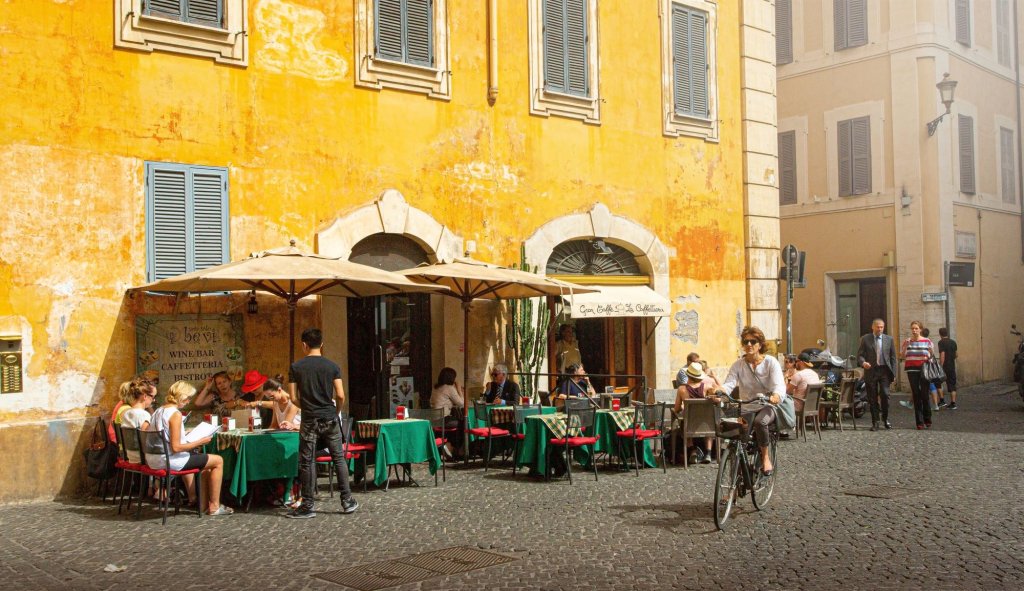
[408,441]
[260,456]
[533,450]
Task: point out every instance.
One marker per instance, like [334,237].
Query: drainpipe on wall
[1020,156]
[492,55]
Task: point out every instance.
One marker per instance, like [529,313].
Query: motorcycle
[1018,361]
[831,369]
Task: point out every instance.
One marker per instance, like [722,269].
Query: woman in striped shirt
[914,352]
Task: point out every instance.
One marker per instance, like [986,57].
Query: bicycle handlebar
[758,398]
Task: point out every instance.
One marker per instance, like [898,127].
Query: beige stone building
[878,203]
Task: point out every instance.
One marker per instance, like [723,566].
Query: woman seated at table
[168,421]
[124,402]
[220,394]
[697,385]
[286,414]
[577,384]
[449,397]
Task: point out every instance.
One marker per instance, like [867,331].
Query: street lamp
[946,88]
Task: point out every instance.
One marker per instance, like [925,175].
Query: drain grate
[411,569]
[877,491]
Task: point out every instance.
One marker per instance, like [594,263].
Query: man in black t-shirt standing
[316,388]
[947,357]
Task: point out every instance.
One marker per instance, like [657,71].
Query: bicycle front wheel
[725,487]
[765,485]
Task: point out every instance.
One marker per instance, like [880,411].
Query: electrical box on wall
[10,364]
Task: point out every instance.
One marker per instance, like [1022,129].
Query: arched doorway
[389,336]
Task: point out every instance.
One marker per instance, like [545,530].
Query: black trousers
[328,431]
[877,380]
[922,401]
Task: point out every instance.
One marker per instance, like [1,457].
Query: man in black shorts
[321,397]
[947,357]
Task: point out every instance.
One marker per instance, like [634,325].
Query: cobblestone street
[959,527]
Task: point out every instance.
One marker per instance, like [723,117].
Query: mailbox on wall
[10,364]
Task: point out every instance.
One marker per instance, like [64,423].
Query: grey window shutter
[681,86]
[839,27]
[388,20]
[205,12]
[576,47]
[689,62]
[165,8]
[166,220]
[783,32]
[554,46]
[699,63]
[210,217]
[860,147]
[1007,170]
[1003,20]
[857,23]
[787,168]
[419,32]
[965,128]
[963,22]
[845,159]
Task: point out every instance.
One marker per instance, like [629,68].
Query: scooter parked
[831,369]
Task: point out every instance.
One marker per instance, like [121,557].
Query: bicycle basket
[731,428]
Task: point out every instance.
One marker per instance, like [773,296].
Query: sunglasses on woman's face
[749,342]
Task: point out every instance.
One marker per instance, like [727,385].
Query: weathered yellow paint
[303,146]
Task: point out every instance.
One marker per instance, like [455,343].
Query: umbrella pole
[291,332]
[465,378]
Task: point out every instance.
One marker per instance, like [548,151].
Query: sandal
[222,510]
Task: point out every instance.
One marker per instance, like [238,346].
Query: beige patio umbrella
[291,274]
[469,279]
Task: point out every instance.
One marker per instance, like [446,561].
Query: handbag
[101,455]
[932,370]
[785,417]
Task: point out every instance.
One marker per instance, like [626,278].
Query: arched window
[391,252]
[591,257]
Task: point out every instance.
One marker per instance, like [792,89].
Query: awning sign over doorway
[618,301]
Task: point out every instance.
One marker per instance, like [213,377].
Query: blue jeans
[312,430]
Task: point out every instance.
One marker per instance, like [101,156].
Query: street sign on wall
[933,297]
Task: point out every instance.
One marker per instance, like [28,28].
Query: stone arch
[651,253]
[391,214]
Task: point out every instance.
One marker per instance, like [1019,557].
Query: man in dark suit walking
[877,355]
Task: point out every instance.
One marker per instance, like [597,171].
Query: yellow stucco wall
[303,145]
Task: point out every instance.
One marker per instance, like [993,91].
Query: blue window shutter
[167,224]
[388,19]
[576,47]
[210,217]
[845,158]
[205,12]
[554,24]
[165,8]
[419,32]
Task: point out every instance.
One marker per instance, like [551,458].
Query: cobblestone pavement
[963,529]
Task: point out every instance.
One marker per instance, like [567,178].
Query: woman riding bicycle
[753,374]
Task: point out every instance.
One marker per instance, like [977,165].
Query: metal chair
[580,414]
[811,410]
[355,451]
[131,466]
[518,435]
[436,418]
[847,390]
[698,420]
[545,398]
[648,423]
[155,443]
[488,432]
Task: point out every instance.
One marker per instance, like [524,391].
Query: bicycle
[739,466]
